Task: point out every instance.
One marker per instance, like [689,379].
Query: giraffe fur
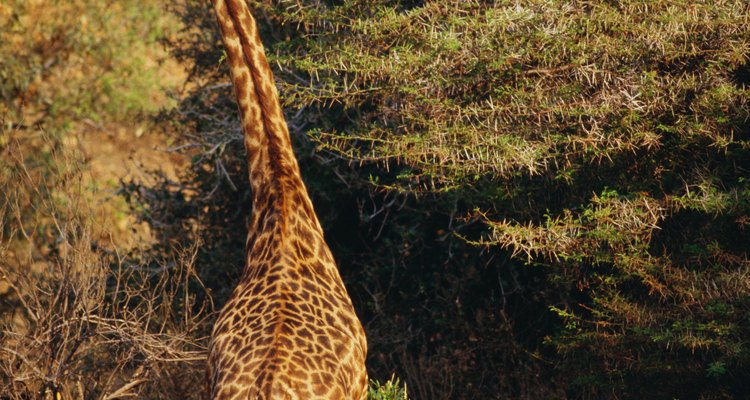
[289,330]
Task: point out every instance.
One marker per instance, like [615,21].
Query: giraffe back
[289,330]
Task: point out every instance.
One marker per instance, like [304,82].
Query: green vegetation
[391,390]
[83,59]
[545,199]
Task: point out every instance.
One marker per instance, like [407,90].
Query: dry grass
[79,319]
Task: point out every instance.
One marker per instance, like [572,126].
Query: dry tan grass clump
[79,320]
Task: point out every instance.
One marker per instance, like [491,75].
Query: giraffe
[288,330]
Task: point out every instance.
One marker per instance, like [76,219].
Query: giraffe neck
[278,191]
[289,329]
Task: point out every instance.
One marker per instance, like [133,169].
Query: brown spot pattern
[289,330]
